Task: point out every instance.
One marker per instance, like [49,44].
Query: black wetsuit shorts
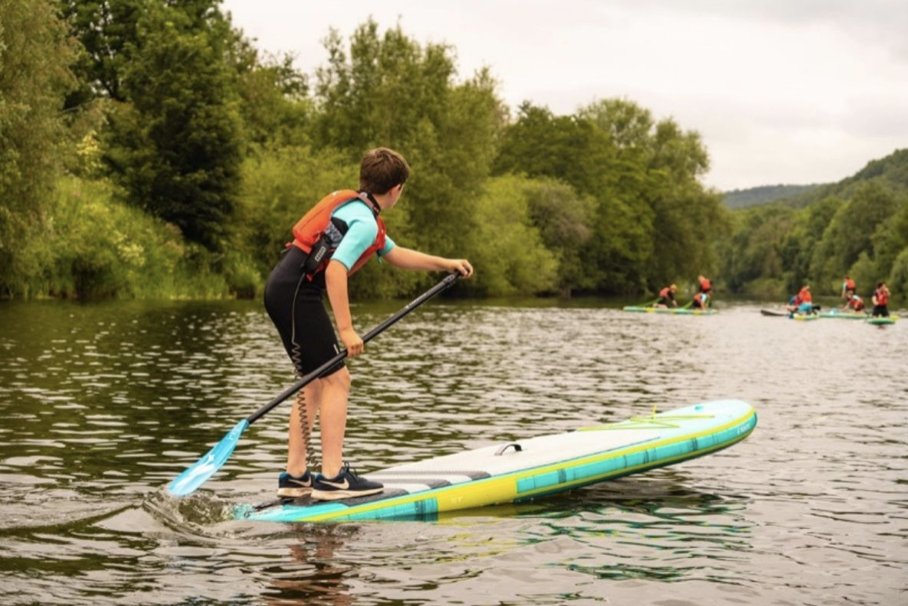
[295,306]
[880,310]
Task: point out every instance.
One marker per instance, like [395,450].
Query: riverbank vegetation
[857,227]
[150,150]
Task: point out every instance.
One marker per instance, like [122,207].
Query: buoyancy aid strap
[370,201]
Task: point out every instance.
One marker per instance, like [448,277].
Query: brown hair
[381,170]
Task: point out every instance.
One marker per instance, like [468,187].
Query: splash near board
[528,469]
[671,310]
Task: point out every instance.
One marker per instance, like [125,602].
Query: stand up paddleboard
[881,320]
[775,314]
[805,317]
[527,469]
[671,310]
[844,315]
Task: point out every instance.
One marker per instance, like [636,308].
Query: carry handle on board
[198,473]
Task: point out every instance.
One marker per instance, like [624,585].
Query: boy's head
[381,170]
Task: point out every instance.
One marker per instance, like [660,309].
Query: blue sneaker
[346,485]
[294,486]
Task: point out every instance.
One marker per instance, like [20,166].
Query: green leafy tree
[387,90]
[850,232]
[659,165]
[34,77]
[506,244]
[275,107]
[106,29]
[753,253]
[575,151]
[563,218]
[175,145]
[799,245]
[898,278]
[890,239]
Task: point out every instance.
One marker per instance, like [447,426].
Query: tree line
[776,249]
[149,149]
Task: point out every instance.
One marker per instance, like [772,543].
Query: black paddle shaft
[318,372]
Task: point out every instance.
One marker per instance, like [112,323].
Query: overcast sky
[782,91]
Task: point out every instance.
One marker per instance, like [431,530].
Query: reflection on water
[104,404]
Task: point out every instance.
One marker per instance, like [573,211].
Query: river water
[104,403]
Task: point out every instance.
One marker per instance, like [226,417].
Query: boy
[881,300]
[666,296]
[331,241]
[848,285]
[854,304]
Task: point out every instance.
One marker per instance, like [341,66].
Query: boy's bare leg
[333,411]
[296,455]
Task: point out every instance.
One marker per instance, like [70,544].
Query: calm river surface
[103,404]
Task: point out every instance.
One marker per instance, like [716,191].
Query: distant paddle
[197,474]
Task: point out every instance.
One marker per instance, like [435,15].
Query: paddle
[198,473]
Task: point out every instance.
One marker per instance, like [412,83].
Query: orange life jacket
[804,296]
[856,303]
[849,285]
[882,297]
[705,285]
[311,227]
[664,293]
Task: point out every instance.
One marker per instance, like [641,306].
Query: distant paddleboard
[528,469]
[671,310]
[774,313]
[843,315]
[882,320]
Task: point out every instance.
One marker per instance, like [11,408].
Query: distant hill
[891,172]
[741,198]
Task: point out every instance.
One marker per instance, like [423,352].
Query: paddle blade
[190,480]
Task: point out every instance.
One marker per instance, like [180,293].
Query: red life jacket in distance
[804,296]
[705,285]
[849,285]
[882,297]
[856,303]
[663,294]
[310,228]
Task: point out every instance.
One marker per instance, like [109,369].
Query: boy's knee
[338,380]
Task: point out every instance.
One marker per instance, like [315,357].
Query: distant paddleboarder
[881,301]
[667,297]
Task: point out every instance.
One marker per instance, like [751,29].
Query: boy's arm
[406,258]
[336,285]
